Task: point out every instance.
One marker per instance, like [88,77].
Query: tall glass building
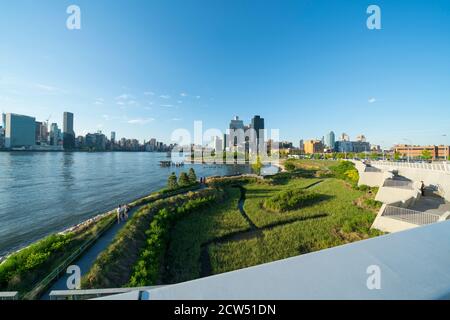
[330,140]
[20,131]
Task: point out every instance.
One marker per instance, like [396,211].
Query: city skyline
[307,67]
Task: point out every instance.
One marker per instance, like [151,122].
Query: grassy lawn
[257,193]
[344,222]
[188,235]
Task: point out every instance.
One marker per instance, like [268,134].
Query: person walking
[119,213]
[126,209]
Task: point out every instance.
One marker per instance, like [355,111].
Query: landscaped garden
[239,222]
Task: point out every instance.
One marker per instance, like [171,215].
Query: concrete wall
[436,178]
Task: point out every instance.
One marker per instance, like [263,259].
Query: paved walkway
[431,204]
[87,259]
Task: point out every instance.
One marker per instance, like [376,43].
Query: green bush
[147,269]
[346,170]
[290,200]
[183,180]
[172,181]
[374,204]
[192,176]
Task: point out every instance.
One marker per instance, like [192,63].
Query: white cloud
[164,96]
[149,93]
[176,119]
[48,88]
[140,121]
[183,94]
[198,97]
[179,101]
[167,105]
[372,100]
[124,96]
[99,101]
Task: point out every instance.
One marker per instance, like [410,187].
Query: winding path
[87,259]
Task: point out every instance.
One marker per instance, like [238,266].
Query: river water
[45,192]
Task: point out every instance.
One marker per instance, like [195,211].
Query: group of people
[122,212]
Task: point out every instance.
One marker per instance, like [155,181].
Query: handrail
[9,295]
[44,283]
[63,266]
[411,216]
[75,294]
[415,165]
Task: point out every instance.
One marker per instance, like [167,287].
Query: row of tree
[184,180]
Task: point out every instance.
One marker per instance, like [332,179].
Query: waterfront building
[257,125]
[95,141]
[41,133]
[330,140]
[361,138]
[313,146]
[345,137]
[20,131]
[436,152]
[2,137]
[301,146]
[113,137]
[68,132]
[343,146]
[360,146]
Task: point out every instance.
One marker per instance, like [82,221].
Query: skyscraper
[68,133]
[20,131]
[113,137]
[258,125]
[330,140]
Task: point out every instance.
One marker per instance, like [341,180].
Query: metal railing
[411,216]
[9,295]
[398,184]
[435,166]
[371,169]
[93,293]
[44,283]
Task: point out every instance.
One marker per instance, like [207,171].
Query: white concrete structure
[411,264]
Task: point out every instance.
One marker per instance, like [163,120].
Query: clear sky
[144,68]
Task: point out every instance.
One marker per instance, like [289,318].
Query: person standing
[422,188]
[119,213]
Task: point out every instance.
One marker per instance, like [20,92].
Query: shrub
[289,166]
[172,181]
[290,200]
[146,271]
[192,176]
[183,180]
[372,203]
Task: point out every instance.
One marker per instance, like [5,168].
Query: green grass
[23,270]
[257,193]
[188,235]
[114,266]
[344,222]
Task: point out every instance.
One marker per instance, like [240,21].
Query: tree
[192,176]
[172,181]
[396,155]
[257,166]
[183,180]
[426,154]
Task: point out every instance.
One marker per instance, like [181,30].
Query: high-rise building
[345,137]
[113,137]
[20,131]
[330,140]
[68,133]
[258,126]
[301,146]
[361,138]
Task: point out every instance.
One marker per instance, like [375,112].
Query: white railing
[436,166]
[411,216]
[398,184]
[9,295]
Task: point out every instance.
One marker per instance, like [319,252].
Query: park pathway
[87,259]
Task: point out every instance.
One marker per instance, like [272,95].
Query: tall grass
[114,266]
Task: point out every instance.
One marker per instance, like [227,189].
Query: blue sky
[145,68]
